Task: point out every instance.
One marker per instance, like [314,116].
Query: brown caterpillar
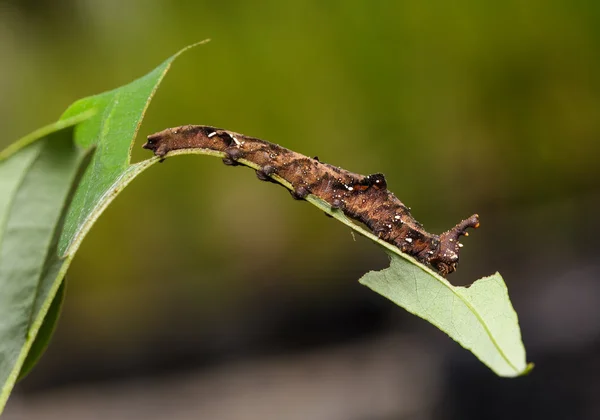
[362,198]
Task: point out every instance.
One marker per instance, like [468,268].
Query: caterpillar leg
[232,155]
[264,173]
[300,193]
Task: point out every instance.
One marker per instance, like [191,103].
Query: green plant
[56,182]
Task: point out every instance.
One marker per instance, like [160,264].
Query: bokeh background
[202,293]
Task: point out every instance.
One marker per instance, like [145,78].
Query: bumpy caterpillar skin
[362,198]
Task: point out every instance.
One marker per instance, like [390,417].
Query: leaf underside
[479,317]
[38,193]
[49,204]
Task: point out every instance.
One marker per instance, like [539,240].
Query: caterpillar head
[445,259]
[184,137]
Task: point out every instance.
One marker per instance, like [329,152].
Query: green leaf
[39,234]
[480,317]
[37,183]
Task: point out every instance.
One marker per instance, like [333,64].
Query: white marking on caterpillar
[214,133]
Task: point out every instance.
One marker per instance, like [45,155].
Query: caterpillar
[362,198]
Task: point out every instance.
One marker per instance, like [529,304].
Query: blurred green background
[200,270]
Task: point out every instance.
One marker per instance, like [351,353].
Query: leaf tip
[527,369]
[195,44]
